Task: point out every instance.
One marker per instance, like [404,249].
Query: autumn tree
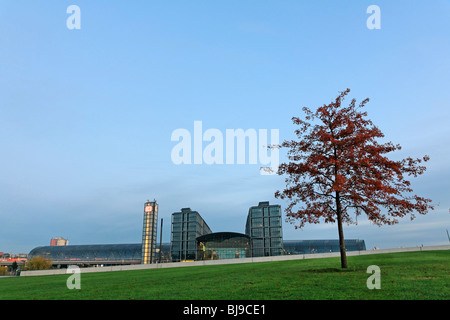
[338,170]
[38,263]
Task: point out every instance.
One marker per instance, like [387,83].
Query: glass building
[192,239]
[223,245]
[321,246]
[264,229]
[149,232]
[220,245]
[187,225]
[90,254]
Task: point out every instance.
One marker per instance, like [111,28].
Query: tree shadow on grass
[329,270]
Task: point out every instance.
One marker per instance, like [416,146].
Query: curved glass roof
[98,252]
[221,236]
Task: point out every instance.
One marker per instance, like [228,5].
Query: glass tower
[264,229]
[149,232]
[187,225]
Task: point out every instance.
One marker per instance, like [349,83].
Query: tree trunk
[341,233]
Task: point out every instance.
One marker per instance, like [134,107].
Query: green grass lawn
[415,275]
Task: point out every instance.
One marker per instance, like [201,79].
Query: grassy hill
[406,276]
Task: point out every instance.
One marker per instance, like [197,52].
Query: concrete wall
[228,261]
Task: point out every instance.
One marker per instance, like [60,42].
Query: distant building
[212,246]
[321,246]
[58,241]
[89,255]
[149,232]
[187,226]
[192,239]
[264,229]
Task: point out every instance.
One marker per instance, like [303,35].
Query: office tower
[149,232]
[264,228]
[187,225]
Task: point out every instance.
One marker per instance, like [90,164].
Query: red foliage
[337,166]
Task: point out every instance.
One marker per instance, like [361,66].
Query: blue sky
[86,116]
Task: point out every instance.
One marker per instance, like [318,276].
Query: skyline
[87,115]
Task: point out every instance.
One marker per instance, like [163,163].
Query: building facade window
[187,225]
[264,228]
